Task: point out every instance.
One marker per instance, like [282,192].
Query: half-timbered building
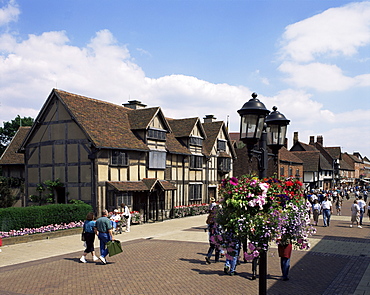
[106,154]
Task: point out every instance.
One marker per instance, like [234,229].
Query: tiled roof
[287,156]
[212,130]
[105,123]
[324,164]
[311,159]
[343,165]
[110,126]
[334,152]
[147,184]
[140,119]
[308,147]
[10,155]
[182,127]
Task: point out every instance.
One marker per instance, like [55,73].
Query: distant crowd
[323,201]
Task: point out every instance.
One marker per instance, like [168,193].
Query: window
[196,141]
[290,171]
[156,134]
[195,191]
[119,158]
[282,171]
[124,198]
[224,164]
[297,173]
[221,145]
[196,162]
[157,160]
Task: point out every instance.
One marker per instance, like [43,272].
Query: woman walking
[89,237]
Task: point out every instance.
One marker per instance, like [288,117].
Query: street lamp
[257,124]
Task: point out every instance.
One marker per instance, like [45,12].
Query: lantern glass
[276,135]
[251,127]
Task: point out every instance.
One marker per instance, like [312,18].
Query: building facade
[105,154]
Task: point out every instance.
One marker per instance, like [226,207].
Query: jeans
[231,261]
[326,217]
[361,215]
[104,238]
[217,251]
[285,265]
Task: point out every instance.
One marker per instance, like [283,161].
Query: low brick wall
[41,236]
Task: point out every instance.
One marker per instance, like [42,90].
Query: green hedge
[16,218]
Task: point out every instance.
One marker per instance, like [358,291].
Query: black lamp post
[257,124]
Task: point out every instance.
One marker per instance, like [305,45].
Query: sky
[192,58]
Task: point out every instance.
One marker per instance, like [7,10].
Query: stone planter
[41,236]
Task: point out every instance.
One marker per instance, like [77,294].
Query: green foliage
[38,216]
[6,198]
[9,129]
[73,201]
[49,185]
[263,211]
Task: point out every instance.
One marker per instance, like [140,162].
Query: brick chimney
[134,104]
[320,140]
[286,143]
[312,140]
[209,118]
[295,137]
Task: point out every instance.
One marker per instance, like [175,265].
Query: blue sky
[193,58]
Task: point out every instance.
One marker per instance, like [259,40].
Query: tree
[10,128]
[6,197]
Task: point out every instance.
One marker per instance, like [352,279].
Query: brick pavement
[173,263]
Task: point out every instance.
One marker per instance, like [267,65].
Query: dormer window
[221,145]
[198,141]
[156,134]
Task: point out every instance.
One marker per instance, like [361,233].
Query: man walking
[327,209]
[361,203]
[103,229]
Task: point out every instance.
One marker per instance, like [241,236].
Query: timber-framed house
[106,154]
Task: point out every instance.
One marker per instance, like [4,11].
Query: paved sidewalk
[168,258]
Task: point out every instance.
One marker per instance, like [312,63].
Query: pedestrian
[103,229]
[316,210]
[89,235]
[212,204]
[355,214]
[213,233]
[232,253]
[368,210]
[361,203]
[285,252]
[338,205]
[327,210]
[115,218]
[365,195]
[126,214]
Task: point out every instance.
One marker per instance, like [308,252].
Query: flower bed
[43,229]
[190,210]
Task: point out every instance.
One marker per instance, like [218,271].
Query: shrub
[38,216]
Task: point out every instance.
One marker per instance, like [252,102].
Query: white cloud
[9,13]
[322,77]
[335,31]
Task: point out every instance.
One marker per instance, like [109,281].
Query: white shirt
[326,205]
[361,204]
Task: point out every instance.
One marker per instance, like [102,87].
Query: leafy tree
[6,198]
[10,128]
